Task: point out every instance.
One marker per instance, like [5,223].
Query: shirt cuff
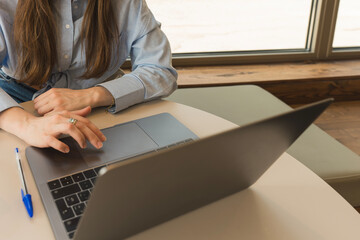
[6,101]
[127,91]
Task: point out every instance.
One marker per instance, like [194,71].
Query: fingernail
[104,138]
[99,144]
[66,150]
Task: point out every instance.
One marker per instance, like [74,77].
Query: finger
[82,112]
[94,129]
[45,109]
[68,128]
[57,144]
[89,124]
[39,103]
[97,132]
[48,100]
[44,95]
[76,134]
[90,135]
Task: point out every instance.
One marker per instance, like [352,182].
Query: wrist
[15,120]
[101,97]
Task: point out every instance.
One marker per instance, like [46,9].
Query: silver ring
[73,121]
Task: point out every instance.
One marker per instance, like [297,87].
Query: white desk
[288,202]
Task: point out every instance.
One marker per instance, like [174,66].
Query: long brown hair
[35,36]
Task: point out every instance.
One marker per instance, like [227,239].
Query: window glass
[233,25]
[347,31]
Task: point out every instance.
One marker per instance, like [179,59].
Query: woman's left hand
[60,99]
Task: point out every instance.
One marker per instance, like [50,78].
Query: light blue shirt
[140,37]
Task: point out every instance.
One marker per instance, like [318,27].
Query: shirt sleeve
[5,100]
[152,74]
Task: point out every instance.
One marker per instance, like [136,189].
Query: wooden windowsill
[292,82]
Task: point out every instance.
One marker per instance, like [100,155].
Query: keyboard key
[71,200]
[64,211]
[54,184]
[71,224]
[89,173]
[85,184]
[71,235]
[68,190]
[66,181]
[79,208]
[78,177]
[84,196]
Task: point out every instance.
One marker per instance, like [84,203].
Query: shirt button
[67,26]
[66,56]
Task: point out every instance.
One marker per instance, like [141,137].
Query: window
[233,25]
[347,31]
[205,32]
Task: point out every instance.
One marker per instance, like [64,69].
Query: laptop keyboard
[72,192]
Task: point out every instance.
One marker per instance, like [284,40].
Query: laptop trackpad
[123,141]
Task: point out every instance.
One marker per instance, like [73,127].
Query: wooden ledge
[292,82]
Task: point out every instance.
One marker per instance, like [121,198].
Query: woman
[65,55]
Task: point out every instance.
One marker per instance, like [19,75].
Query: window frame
[318,47]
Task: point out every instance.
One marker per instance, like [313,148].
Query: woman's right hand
[44,131]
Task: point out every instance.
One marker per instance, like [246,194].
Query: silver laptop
[123,198]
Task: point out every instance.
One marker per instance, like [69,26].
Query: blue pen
[26,197]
